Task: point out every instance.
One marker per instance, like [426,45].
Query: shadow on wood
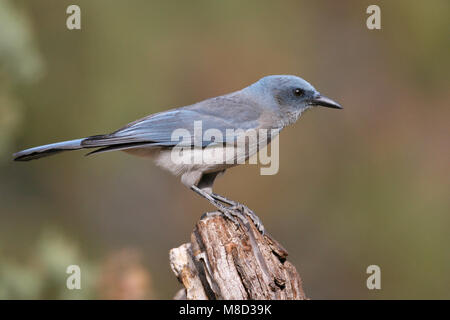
[224,261]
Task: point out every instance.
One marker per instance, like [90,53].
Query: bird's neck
[292,116]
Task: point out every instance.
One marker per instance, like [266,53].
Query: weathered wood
[224,261]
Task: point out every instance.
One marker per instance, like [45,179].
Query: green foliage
[43,273]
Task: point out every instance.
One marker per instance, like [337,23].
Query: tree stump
[228,262]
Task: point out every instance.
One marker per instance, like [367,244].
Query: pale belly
[213,158]
[210,159]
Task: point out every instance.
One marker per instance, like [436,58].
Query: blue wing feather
[219,113]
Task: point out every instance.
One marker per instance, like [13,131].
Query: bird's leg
[227,211]
[224,200]
[243,208]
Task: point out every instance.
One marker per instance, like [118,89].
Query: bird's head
[291,95]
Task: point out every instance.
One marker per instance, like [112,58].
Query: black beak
[325,102]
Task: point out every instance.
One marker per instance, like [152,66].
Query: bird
[271,103]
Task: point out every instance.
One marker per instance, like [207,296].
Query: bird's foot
[232,215]
[235,211]
[256,220]
[210,214]
[228,213]
[233,205]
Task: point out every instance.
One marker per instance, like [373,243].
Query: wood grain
[229,262]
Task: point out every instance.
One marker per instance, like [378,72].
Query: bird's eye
[299,92]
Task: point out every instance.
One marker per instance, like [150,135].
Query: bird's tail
[47,150]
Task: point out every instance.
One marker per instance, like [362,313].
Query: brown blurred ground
[366,185]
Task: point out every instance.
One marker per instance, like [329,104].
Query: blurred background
[366,185]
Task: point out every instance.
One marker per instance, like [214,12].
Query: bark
[224,261]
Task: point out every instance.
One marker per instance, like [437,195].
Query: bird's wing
[219,113]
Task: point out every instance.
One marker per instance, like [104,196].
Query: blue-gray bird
[273,102]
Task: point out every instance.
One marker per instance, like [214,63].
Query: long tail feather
[121,147]
[47,150]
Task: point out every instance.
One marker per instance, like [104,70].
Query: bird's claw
[232,215]
[232,210]
[246,211]
[227,212]
[256,220]
[210,214]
